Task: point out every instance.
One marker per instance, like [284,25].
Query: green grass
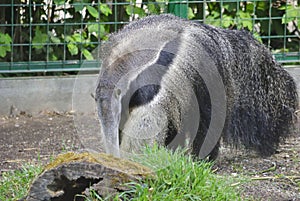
[14,185]
[178,177]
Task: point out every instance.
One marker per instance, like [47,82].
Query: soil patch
[35,139]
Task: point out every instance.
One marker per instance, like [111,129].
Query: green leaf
[152,8]
[285,20]
[2,51]
[95,28]
[53,38]
[80,4]
[212,21]
[291,14]
[245,20]
[231,6]
[5,41]
[77,37]
[247,24]
[69,39]
[227,21]
[105,9]
[285,7]
[73,49]
[191,14]
[262,5]
[294,12]
[78,7]
[59,2]
[53,57]
[131,10]
[87,54]
[93,11]
[6,47]
[215,14]
[5,38]
[40,39]
[250,7]
[244,15]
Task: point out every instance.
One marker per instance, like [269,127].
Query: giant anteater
[171,81]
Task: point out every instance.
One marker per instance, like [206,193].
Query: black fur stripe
[143,94]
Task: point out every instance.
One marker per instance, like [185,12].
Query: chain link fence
[42,36]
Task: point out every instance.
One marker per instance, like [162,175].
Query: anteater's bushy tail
[265,100]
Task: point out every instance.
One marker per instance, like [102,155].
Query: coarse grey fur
[152,73]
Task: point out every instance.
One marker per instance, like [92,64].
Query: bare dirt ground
[37,139]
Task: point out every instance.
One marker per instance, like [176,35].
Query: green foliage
[105,10]
[14,185]
[71,30]
[134,10]
[291,15]
[5,43]
[93,11]
[139,10]
[245,20]
[231,16]
[42,36]
[59,2]
[180,177]
[39,39]
[253,16]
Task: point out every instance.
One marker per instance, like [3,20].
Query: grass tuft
[14,185]
[180,177]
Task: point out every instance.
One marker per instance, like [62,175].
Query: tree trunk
[72,176]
